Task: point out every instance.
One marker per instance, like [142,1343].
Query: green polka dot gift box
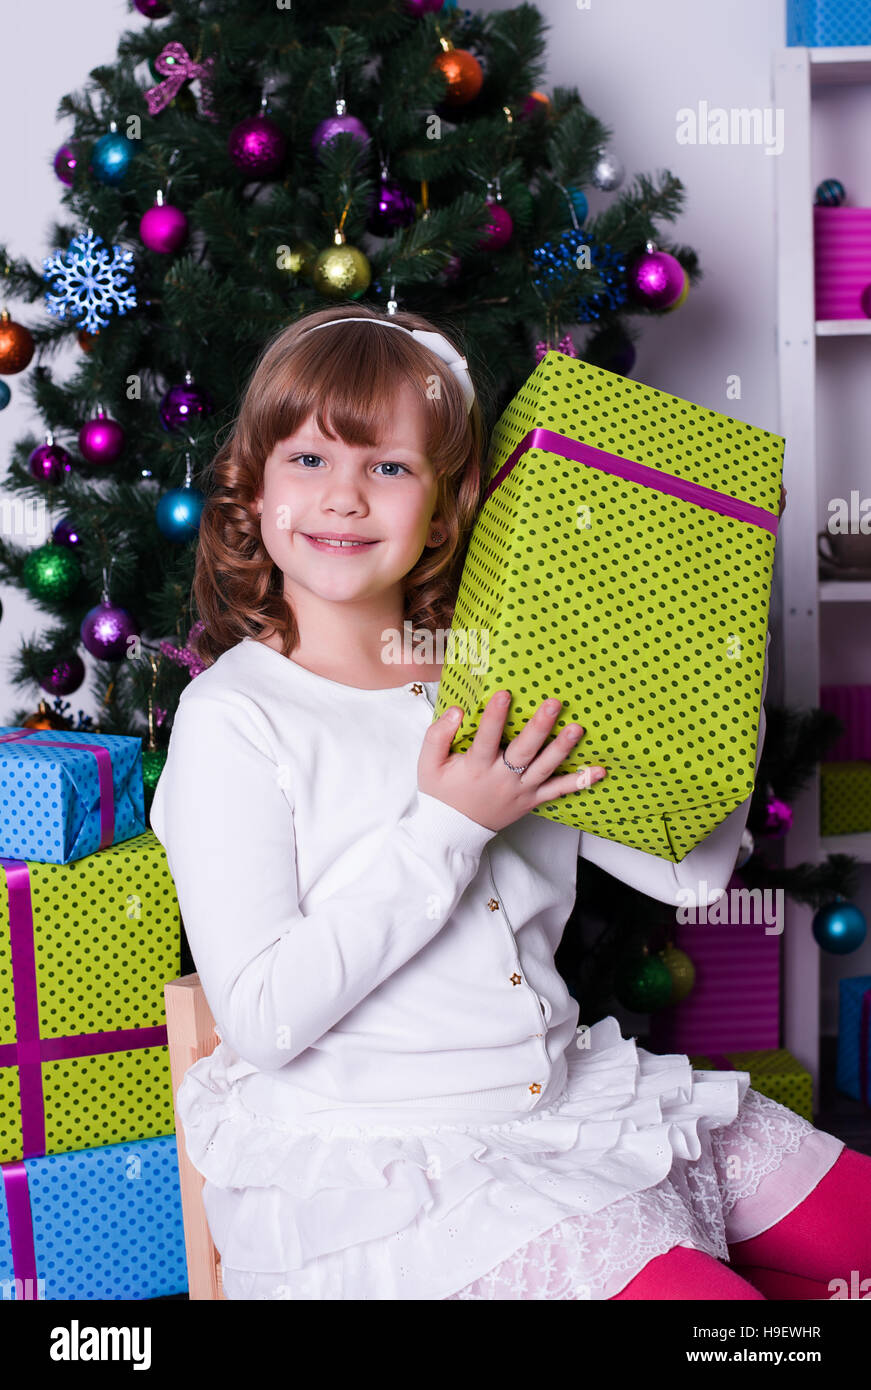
[85,951]
[773,1072]
[622,562]
[845,797]
[65,794]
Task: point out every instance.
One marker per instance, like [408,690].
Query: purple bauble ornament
[183,405]
[778,817]
[339,124]
[656,279]
[49,461]
[622,360]
[163,228]
[65,163]
[105,631]
[66,533]
[152,9]
[257,147]
[452,270]
[393,208]
[420,7]
[499,228]
[101,439]
[65,676]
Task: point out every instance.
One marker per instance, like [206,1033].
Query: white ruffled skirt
[639,1154]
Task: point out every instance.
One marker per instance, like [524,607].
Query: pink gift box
[852,704]
[735,1002]
[842,261]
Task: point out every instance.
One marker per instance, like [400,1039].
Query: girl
[403,1104]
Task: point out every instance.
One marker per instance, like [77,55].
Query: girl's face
[315,486]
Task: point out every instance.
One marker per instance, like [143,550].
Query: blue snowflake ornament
[89,282]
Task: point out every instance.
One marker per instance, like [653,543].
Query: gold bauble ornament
[681,970]
[341,271]
[299,258]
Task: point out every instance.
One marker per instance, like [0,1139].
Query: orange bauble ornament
[462,71]
[16,345]
[46,718]
[86,340]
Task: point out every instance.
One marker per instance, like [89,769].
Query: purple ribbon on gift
[179,67]
[20,1226]
[104,777]
[633,472]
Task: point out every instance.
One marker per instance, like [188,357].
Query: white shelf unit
[799,73]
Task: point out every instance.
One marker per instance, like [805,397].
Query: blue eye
[379,465]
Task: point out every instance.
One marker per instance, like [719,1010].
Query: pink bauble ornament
[682,297]
[499,228]
[257,146]
[421,7]
[105,631]
[152,9]
[101,439]
[656,279]
[778,818]
[164,228]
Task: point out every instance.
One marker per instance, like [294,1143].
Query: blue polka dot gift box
[853,1069]
[622,562]
[66,794]
[827,23]
[102,1224]
[85,952]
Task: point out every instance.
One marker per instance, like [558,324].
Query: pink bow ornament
[179,67]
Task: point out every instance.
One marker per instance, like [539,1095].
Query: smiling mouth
[338,545]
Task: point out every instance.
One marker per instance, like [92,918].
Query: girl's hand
[478,783]
[782,498]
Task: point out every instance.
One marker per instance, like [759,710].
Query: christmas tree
[239,166]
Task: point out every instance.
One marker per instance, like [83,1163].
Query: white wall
[48,51]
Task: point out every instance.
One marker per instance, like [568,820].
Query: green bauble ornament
[51,572]
[644,985]
[153,760]
[681,970]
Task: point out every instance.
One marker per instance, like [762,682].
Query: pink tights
[826,1237]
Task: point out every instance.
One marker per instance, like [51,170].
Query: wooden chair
[190,1030]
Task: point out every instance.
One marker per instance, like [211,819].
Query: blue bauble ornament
[178,513]
[579,202]
[111,156]
[5,395]
[830,194]
[839,927]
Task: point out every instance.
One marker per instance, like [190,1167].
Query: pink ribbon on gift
[633,472]
[104,776]
[179,67]
[29,1051]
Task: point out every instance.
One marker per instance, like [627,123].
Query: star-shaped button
[515,978]
[492,904]
[535,1088]
[417,690]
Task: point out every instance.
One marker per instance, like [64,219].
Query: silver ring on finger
[511,766]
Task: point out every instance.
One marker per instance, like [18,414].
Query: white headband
[436,343]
